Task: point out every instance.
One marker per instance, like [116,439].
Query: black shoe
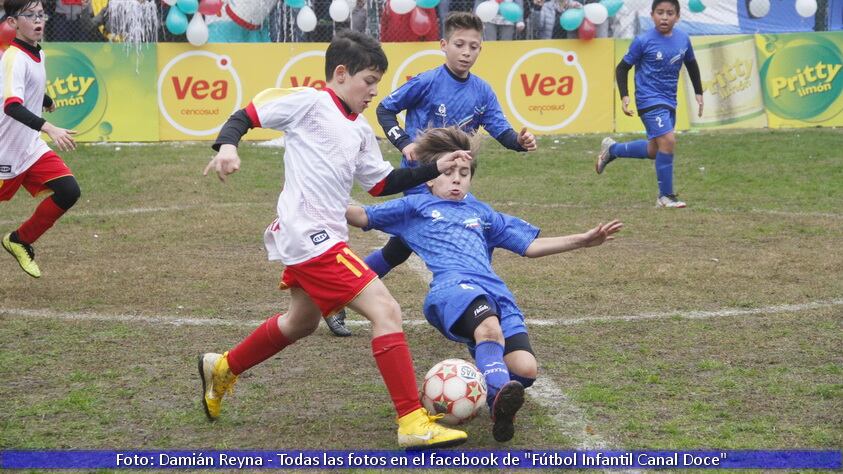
[507,403]
[336,323]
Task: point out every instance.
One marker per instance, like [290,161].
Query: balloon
[306,19]
[188,7]
[210,7]
[419,22]
[596,13]
[7,34]
[612,6]
[170,2]
[176,21]
[339,11]
[759,8]
[487,10]
[402,7]
[571,19]
[197,31]
[696,6]
[511,11]
[806,8]
[294,3]
[587,30]
[427,3]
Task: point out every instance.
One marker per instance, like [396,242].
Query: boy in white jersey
[25,159]
[329,145]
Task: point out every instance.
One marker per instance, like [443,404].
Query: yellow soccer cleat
[24,254]
[418,430]
[217,380]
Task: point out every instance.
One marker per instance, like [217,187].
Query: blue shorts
[658,121]
[444,306]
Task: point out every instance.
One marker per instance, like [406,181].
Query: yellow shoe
[24,254]
[217,380]
[418,430]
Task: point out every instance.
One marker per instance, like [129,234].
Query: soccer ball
[454,388]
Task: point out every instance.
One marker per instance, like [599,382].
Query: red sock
[266,341]
[392,354]
[45,215]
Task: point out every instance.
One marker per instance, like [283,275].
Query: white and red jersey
[23,79]
[327,150]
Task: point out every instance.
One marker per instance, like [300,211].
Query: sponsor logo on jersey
[5,169]
[319,237]
[472,223]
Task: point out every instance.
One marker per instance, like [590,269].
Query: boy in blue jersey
[448,95]
[467,301]
[658,56]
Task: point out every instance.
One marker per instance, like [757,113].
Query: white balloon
[487,10]
[806,8]
[339,10]
[402,6]
[197,30]
[170,2]
[759,8]
[596,13]
[306,20]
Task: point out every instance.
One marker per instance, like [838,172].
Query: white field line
[147,210]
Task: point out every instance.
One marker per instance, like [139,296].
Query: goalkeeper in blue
[449,95]
[658,56]
[455,235]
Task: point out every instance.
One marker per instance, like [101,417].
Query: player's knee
[391,313]
[66,192]
[667,143]
[489,330]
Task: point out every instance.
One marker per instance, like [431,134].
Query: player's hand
[601,233]
[225,163]
[527,140]
[519,27]
[625,106]
[700,101]
[450,160]
[409,152]
[51,108]
[63,138]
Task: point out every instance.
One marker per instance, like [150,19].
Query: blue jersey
[658,60]
[438,98]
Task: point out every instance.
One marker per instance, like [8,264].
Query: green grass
[152,238]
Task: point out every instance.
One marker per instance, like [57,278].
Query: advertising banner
[801,79]
[103,91]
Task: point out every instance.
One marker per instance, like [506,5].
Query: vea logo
[303,70]
[76,90]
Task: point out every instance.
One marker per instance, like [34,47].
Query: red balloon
[7,33]
[587,30]
[210,7]
[420,22]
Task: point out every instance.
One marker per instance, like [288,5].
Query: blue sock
[377,263]
[489,358]
[526,382]
[664,173]
[636,149]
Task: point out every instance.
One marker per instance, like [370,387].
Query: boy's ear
[442,43]
[340,73]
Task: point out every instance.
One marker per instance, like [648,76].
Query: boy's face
[454,183]
[461,50]
[356,90]
[665,16]
[28,26]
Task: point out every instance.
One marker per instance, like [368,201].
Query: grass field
[717,326]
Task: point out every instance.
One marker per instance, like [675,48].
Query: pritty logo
[76,90]
[807,80]
[731,78]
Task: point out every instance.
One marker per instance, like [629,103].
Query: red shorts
[332,279]
[47,168]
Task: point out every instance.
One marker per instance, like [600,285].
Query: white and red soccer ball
[454,388]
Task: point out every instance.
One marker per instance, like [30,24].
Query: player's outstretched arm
[544,246]
[356,216]
[225,162]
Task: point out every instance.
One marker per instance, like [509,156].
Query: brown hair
[462,21]
[435,142]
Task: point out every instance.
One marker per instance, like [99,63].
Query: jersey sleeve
[636,51]
[389,217]
[371,168]
[510,233]
[494,120]
[408,95]
[14,77]
[689,54]
[279,109]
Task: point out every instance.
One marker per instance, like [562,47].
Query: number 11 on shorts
[351,267]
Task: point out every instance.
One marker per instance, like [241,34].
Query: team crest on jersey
[472,223]
[436,215]
[5,169]
[442,111]
[319,237]
[659,55]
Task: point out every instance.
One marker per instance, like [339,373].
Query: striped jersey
[326,150]
[23,79]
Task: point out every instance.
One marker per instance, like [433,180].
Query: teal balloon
[696,6]
[612,6]
[571,19]
[106,128]
[188,7]
[176,22]
[427,3]
[511,11]
[294,3]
